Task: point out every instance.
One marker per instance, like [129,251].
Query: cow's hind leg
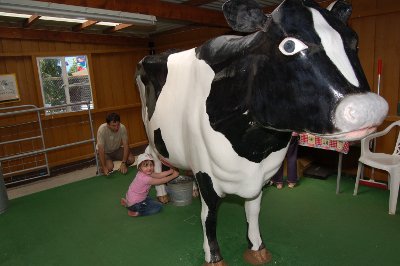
[209,205]
[256,254]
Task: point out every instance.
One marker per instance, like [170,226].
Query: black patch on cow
[212,200]
[160,144]
[244,16]
[249,139]
[153,73]
[228,105]
[342,10]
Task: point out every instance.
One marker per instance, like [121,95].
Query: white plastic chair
[387,162]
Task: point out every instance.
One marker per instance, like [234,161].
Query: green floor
[83,224]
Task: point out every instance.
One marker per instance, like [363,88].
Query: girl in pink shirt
[137,200]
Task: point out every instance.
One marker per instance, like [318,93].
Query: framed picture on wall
[8,88]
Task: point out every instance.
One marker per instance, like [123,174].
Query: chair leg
[359,173]
[394,192]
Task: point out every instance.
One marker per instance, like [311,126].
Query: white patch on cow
[333,45]
[252,208]
[191,142]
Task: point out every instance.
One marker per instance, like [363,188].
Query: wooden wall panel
[22,67]
[11,45]
[112,84]
[186,40]
[366,44]
[360,6]
[387,48]
[112,69]
[30,81]
[70,129]
[29,46]
[115,86]
[130,92]
[377,22]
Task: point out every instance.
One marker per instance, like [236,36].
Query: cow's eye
[291,46]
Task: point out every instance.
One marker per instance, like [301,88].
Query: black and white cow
[226,109]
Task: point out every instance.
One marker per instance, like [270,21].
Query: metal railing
[14,111]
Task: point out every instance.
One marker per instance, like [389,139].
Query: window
[65,80]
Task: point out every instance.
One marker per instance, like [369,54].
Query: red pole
[379,74]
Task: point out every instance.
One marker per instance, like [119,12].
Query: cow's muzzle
[359,114]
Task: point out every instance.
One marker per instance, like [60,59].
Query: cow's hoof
[163,199]
[219,263]
[257,257]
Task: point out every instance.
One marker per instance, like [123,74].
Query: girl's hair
[145,163]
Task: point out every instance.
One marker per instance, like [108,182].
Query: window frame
[64,77]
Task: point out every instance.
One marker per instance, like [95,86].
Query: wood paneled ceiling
[172,16]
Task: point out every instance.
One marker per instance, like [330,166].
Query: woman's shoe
[291,185]
[279,185]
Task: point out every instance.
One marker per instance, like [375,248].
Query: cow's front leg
[209,205]
[256,253]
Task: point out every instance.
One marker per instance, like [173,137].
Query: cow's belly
[191,142]
[245,178]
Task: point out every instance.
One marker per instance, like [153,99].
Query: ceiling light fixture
[62,19]
[75,12]
[14,15]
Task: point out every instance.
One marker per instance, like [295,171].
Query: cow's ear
[245,16]
[340,9]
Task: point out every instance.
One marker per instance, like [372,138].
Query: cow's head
[310,78]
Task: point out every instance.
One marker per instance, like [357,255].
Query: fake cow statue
[226,109]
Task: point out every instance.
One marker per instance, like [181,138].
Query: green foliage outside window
[50,71]
[65,80]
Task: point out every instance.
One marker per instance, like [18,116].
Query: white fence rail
[36,163]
